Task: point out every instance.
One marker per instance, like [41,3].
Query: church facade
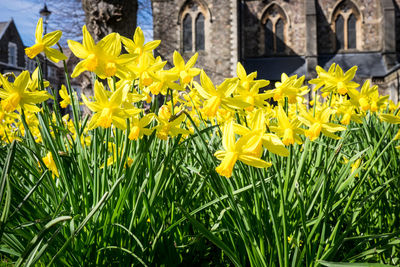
[291,36]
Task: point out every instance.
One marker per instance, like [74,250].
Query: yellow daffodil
[335,80]
[102,58]
[347,110]
[354,166]
[169,125]
[243,149]
[368,98]
[50,164]
[320,123]
[34,81]
[16,95]
[217,97]
[245,81]
[44,43]
[164,80]
[138,126]
[289,87]
[256,122]
[186,71]
[144,69]
[252,96]
[108,109]
[137,45]
[66,99]
[288,130]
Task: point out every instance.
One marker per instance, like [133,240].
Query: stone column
[311,38]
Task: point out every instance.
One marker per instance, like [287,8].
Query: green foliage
[171,208]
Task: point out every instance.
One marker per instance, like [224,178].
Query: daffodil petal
[39,31]
[52,38]
[253,161]
[54,54]
[78,49]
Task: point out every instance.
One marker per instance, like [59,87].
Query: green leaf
[38,238]
[210,236]
[3,183]
[347,264]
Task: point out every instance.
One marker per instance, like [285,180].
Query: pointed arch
[274,26]
[193,33]
[342,3]
[346,20]
[201,3]
[275,6]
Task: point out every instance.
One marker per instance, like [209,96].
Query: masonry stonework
[236,31]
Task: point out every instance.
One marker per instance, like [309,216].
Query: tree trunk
[106,16]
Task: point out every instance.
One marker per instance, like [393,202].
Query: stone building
[291,36]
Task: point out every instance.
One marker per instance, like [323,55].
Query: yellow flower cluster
[253,120]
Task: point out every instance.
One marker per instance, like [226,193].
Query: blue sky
[26,14]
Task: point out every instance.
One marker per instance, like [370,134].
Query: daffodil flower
[109,110]
[245,81]
[256,122]
[50,164]
[347,110]
[144,69]
[44,43]
[368,98]
[186,71]
[137,45]
[320,123]
[34,81]
[335,80]
[66,99]
[253,96]
[138,126]
[218,97]
[169,125]
[288,130]
[16,95]
[164,80]
[102,58]
[290,87]
[242,149]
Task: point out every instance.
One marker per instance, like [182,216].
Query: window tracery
[274,24]
[193,27]
[346,24]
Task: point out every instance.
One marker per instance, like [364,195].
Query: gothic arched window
[346,19]
[193,22]
[274,27]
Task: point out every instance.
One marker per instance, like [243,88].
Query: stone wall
[368,39]
[223,34]
[216,58]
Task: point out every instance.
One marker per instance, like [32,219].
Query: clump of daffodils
[254,122]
